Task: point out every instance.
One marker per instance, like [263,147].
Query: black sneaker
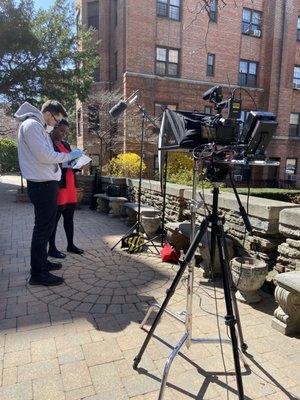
[46,279]
[56,254]
[52,266]
[74,249]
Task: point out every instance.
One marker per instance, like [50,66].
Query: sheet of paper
[82,161]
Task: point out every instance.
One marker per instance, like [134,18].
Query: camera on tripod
[189,130]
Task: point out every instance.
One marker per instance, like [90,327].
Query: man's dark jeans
[43,196]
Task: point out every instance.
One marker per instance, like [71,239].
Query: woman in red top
[67,194]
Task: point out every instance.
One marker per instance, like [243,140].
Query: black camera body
[189,130]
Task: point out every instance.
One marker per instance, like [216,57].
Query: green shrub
[8,155]
[287,195]
[125,164]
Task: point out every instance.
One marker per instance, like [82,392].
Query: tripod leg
[188,257]
[127,233]
[168,364]
[243,345]
[230,318]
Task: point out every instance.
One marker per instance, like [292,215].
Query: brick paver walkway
[77,341]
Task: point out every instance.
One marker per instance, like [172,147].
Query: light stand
[217,240]
[138,225]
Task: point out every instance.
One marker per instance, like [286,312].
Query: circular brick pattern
[103,282]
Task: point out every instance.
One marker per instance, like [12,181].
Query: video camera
[190,130]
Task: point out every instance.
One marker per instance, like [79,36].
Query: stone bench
[131,210]
[109,204]
[178,234]
[287,294]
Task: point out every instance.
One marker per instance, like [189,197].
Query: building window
[294,124]
[208,110]
[96,75]
[167,61]
[291,166]
[116,66]
[93,14]
[213,10]
[93,119]
[169,9]
[210,64]
[159,109]
[95,160]
[251,24]
[243,118]
[156,166]
[298,28]
[248,73]
[296,80]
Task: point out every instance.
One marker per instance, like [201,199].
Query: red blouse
[68,194]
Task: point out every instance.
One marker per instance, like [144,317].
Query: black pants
[43,196]
[67,211]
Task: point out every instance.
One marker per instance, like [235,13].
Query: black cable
[248,92]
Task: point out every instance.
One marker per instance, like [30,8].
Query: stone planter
[150,222]
[287,294]
[248,275]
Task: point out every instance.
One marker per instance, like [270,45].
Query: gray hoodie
[37,159]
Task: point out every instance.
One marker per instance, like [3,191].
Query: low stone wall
[289,251]
[265,240]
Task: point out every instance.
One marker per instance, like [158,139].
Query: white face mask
[49,129]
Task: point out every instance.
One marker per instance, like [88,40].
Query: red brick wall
[139,30]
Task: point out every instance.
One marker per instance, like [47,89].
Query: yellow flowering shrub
[124,165]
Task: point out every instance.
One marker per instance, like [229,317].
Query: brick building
[174,50]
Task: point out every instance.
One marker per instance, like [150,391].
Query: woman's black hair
[63,122]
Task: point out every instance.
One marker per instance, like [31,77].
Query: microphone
[214,92]
[120,107]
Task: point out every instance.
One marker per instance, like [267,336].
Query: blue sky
[43,3]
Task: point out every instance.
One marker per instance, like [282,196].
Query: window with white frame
[169,9]
[251,24]
[208,110]
[248,73]
[296,79]
[167,61]
[298,28]
[210,64]
[93,119]
[294,124]
[291,166]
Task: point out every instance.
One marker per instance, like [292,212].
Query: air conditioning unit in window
[257,32]
[296,86]
[238,178]
[290,177]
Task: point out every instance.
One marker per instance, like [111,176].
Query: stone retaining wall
[264,216]
[276,225]
[289,251]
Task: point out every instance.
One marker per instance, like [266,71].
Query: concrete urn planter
[248,275]
[150,222]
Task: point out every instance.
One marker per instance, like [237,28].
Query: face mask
[49,129]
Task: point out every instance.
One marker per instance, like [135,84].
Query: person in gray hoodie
[39,166]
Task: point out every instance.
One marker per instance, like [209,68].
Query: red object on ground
[68,194]
[168,253]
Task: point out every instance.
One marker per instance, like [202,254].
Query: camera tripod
[138,242]
[231,319]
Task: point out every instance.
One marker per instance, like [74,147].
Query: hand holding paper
[82,161]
